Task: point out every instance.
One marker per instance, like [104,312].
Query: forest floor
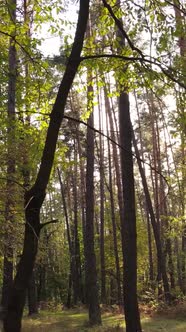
[171,319]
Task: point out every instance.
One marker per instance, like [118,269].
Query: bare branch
[55,221]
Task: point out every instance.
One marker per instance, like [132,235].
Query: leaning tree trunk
[35,196]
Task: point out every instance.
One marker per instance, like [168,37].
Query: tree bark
[180,27]
[102,208]
[11,164]
[76,262]
[32,296]
[114,229]
[35,196]
[129,236]
[90,259]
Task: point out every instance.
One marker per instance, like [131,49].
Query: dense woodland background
[132,66]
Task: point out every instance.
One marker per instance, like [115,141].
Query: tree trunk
[160,256]
[129,237]
[90,259]
[116,157]
[35,196]
[114,229]
[76,262]
[151,265]
[68,238]
[10,199]
[180,27]
[32,296]
[102,208]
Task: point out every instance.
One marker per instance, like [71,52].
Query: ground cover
[75,320]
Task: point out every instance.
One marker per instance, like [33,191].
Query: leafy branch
[134,48]
[143,59]
[120,27]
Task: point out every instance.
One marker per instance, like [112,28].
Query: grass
[77,321]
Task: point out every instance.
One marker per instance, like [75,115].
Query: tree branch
[151,61]
[180,8]
[120,27]
[55,221]
[57,113]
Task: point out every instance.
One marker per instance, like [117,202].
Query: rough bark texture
[35,196]
[129,237]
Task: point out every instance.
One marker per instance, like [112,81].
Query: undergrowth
[163,318]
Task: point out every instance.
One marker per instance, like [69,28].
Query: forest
[93,165]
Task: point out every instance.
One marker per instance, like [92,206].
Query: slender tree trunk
[35,196]
[160,256]
[68,237]
[115,157]
[129,237]
[180,27]
[90,259]
[114,229]
[151,265]
[102,208]
[11,164]
[76,262]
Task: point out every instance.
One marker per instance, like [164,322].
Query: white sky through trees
[52,42]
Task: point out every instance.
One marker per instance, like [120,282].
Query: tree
[90,258]
[129,227]
[11,163]
[35,196]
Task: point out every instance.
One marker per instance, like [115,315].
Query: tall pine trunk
[90,258]
[102,205]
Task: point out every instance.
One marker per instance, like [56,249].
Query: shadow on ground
[73,321]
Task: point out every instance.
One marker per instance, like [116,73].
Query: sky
[51,43]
